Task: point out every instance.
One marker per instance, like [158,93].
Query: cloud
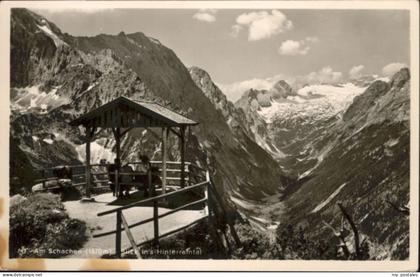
[293,47]
[356,71]
[326,75]
[206,15]
[235,90]
[235,30]
[261,25]
[392,68]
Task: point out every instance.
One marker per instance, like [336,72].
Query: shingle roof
[158,109]
[152,110]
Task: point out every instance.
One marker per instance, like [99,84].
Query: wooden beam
[130,236]
[175,132]
[94,133]
[126,131]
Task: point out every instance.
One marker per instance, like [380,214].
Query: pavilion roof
[125,112]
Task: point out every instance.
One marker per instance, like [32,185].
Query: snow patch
[91,86]
[52,35]
[97,152]
[383,79]
[155,41]
[32,99]
[49,141]
[314,102]
[242,203]
[328,200]
[306,173]
[392,142]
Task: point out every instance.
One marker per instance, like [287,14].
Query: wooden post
[149,179]
[88,139]
[43,178]
[116,190]
[117,160]
[353,227]
[164,154]
[189,174]
[189,165]
[182,150]
[207,196]
[118,235]
[155,210]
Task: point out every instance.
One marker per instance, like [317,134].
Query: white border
[198,265]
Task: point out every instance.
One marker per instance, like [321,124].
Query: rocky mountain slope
[345,143]
[56,77]
[363,162]
[239,120]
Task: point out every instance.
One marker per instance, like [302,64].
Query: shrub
[296,245]
[255,244]
[41,223]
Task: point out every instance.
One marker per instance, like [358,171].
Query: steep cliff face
[365,164]
[234,117]
[242,123]
[56,77]
[249,105]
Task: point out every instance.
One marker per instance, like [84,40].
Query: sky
[255,48]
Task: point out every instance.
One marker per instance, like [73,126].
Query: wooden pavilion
[123,114]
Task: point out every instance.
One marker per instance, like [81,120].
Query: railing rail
[155,198]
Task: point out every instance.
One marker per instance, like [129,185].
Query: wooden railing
[100,175]
[197,179]
[78,177]
[122,225]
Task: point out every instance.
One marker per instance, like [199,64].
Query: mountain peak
[282,89]
[382,100]
[198,71]
[400,78]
